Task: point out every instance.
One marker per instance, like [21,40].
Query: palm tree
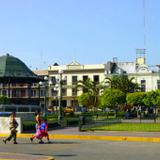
[123,83]
[92,89]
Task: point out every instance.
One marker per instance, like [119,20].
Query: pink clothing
[38,134]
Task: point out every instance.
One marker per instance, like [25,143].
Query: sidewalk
[73,133]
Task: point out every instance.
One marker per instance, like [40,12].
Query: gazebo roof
[14,70]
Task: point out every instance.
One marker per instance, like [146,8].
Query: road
[86,149]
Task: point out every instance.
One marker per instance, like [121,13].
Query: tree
[123,83]
[135,99]
[152,98]
[90,95]
[112,98]
[85,99]
[158,97]
[4,99]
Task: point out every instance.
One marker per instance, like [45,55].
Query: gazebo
[17,82]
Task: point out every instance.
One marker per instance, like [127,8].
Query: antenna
[141,53]
[144,22]
[140,56]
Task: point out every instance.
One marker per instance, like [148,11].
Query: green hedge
[120,114]
[29,126]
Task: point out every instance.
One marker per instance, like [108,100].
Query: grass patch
[140,127]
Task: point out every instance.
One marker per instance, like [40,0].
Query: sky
[42,32]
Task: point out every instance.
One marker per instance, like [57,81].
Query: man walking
[12,126]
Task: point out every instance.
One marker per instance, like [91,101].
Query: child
[44,129]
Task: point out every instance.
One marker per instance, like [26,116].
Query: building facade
[23,87]
[147,78]
[70,75]
[17,82]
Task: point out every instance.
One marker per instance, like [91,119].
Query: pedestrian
[12,127]
[37,127]
[38,120]
[44,129]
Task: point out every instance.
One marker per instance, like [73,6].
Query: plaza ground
[86,149]
[73,147]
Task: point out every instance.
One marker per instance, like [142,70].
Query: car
[68,110]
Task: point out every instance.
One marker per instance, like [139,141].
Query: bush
[88,114]
[120,114]
[72,122]
[52,125]
[28,126]
[111,113]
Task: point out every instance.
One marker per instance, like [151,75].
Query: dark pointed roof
[14,70]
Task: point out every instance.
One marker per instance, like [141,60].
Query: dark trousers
[13,135]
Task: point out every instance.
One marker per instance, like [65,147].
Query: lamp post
[56,97]
[45,84]
[60,115]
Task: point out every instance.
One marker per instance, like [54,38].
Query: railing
[88,122]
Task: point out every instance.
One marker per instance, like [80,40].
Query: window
[64,92]
[54,92]
[74,91]
[96,78]
[34,84]
[74,80]
[42,93]
[33,93]
[4,92]
[23,93]
[14,93]
[53,80]
[85,78]
[143,85]
[64,80]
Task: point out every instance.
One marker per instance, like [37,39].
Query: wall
[4,125]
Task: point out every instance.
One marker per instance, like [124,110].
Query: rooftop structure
[14,70]
[16,82]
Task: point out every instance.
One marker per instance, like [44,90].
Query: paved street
[86,150]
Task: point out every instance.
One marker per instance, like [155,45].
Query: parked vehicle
[69,110]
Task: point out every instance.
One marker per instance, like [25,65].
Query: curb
[14,156]
[94,137]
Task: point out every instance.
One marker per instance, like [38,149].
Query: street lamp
[56,96]
[60,115]
[45,84]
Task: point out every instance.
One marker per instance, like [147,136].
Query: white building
[72,73]
[147,78]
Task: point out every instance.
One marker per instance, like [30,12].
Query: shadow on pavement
[58,155]
[65,155]
[46,143]
[60,142]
